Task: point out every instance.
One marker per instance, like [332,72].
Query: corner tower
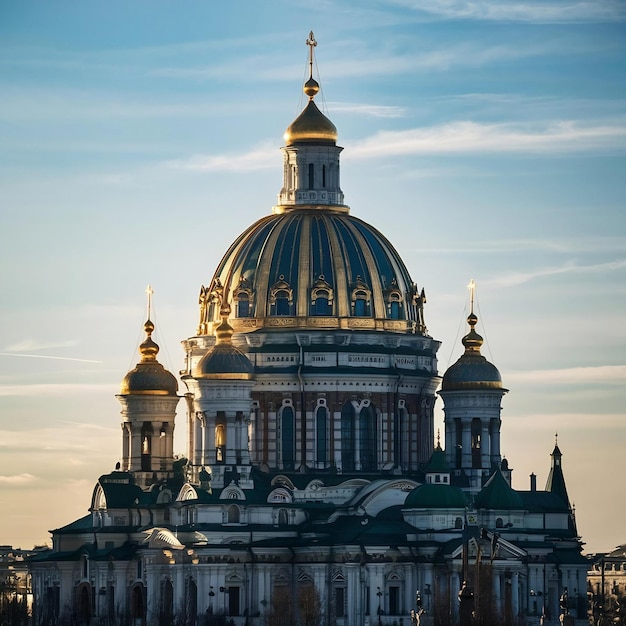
[472,392]
[148,397]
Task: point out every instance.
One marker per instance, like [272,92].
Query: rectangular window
[340,601]
[233,601]
[394,601]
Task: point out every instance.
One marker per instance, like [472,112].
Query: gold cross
[149,293]
[472,287]
[311,43]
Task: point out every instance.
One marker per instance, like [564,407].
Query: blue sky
[486,140]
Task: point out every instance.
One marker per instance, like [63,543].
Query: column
[495,440]
[466,454]
[485,461]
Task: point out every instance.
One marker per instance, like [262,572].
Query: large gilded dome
[311,264]
[317,268]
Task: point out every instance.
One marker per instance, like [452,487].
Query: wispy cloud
[48,356]
[52,389]
[607,374]
[515,11]
[448,139]
[565,245]
[519,278]
[17,480]
[465,137]
[368,110]
[260,158]
[31,345]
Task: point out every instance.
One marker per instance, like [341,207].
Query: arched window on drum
[243,298]
[394,301]
[281,298]
[321,297]
[361,297]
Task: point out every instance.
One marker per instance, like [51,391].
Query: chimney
[533,482]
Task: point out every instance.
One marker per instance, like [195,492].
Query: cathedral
[314,489]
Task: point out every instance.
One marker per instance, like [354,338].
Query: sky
[486,140]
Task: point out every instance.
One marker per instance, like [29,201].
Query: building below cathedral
[314,490]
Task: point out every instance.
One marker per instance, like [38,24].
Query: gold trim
[279,209]
[224,376]
[304,269]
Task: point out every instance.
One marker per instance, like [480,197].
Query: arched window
[288,443]
[281,297]
[191,602]
[243,305]
[458,523]
[220,443]
[476,443]
[321,297]
[233,514]
[166,602]
[348,437]
[367,432]
[499,523]
[282,517]
[146,447]
[323,176]
[321,428]
[393,298]
[361,296]
[311,176]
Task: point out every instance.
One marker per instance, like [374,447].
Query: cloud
[608,374]
[519,278]
[448,139]
[46,356]
[17,480]
[31,345]
[369,110]
[514,11]
[466,137]
[565,245]
[52,389]
[259,158]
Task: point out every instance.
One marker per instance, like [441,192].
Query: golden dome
[311,126]
[149,377]
[472,370]
[224,361]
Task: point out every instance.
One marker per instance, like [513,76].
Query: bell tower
[472,391]
[148,397]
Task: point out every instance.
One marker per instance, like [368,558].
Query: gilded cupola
[472,370]
[224,360]
[149,376]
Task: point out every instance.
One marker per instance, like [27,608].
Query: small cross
[472,287]
[311,43]
[149,293]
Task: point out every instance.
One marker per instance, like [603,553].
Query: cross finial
[472,287]
[149,293]
[311,43]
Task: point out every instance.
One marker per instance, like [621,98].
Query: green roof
[436,496]
[497,494]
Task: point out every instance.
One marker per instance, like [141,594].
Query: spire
[311,87]
[556,480]
[472,341]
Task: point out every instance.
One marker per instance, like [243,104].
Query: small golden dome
[149,377]
[311,126]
